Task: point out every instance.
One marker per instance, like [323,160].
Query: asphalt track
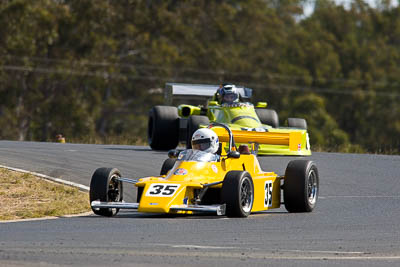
[356,222]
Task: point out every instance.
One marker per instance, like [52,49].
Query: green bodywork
[242,116]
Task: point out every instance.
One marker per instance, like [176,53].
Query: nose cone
[248,122]
[159,196]
[243,115]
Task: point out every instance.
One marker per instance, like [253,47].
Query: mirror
[233,154]
[213,103]
[173,153]
[261,105]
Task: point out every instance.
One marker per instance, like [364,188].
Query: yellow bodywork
[185,177]
[291,139]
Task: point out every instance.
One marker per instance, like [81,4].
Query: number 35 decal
[268,194]
[162,190]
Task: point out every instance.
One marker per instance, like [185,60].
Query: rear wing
[199,93]
[291,139]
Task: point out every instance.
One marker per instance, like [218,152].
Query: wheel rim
[114,189]
[246,195]
[312,187]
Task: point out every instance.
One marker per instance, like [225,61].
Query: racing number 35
[162,190]
[268,194]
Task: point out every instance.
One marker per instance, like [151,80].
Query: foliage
[92,69]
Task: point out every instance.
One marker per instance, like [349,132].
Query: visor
[201,144]
[230,97]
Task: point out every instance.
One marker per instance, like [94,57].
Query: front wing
[218,209]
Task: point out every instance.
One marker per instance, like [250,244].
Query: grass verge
[24,196]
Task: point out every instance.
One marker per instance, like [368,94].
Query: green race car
[169,125]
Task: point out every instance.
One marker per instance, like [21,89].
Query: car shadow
[268,212]
[139,215]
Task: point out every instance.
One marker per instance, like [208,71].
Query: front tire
[268,116]
[301,186]
[106,188]
[297,123]
[167,166]
[163,128]
[238,193]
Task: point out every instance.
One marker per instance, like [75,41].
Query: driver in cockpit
[206,140]
[227,94]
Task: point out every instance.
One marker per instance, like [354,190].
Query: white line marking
[49,217]
[324,197]
[271,254]
[57,180]
[323,251]
[283,250]
[201,247]
[359,258]
[191,246]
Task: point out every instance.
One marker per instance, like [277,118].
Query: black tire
[163,128]
[103,187]
[301,186]
[167,165]
[238,193]
[194,122]
[297,123]
[268,116]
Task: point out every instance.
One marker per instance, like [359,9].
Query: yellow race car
[169,125]
[230,183]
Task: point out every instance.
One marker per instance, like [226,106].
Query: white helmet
[229,94]
[205,140]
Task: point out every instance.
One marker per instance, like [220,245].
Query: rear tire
[163,128]
[105,188]
[238,193]
[301,186]
[297,123]
[167,166]
[268,116]
[194,123]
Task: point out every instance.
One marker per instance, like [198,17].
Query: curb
[88,213]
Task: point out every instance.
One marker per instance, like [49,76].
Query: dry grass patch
[25,196]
